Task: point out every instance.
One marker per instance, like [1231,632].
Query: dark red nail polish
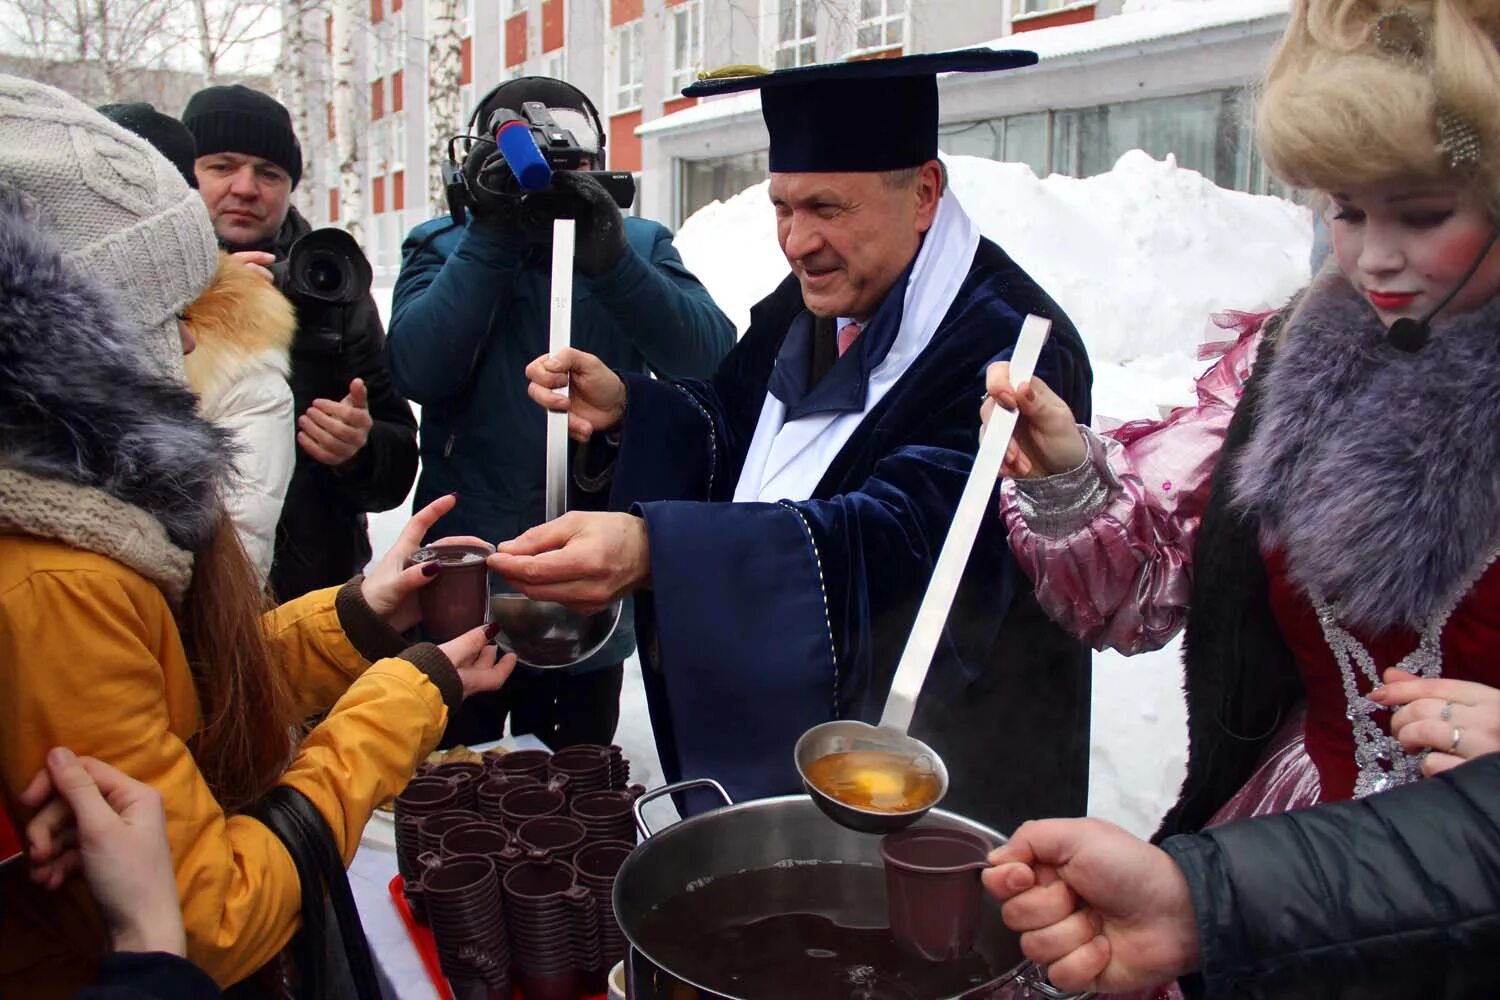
[491,630]
[431,568]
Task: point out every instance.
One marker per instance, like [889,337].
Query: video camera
[324,274]
[534,146]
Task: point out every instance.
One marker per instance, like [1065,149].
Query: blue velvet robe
[765,619]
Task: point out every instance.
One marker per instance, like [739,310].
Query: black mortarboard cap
[870,115]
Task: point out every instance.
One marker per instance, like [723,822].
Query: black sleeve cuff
[367,631]
[152,974]
[433,662]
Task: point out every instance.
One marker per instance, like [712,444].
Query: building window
[516,6]
[796,33]
[882,25]
[687,44]
[397,154]
[1207,132]
[626,73]
[554,65]
[376,147]
[1018,8]
[703,182]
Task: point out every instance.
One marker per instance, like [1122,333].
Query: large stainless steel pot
[759,835]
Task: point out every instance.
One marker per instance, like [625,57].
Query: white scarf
[786,461]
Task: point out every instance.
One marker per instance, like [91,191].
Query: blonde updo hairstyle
[1357,89]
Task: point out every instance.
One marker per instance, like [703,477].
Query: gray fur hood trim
[82,402]
[1377,473]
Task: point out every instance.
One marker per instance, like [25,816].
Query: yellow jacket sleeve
[92,660]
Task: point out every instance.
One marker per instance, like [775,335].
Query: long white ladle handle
[560,337]
[973,505]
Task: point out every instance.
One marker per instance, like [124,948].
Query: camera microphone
[518,146]
[1411,335]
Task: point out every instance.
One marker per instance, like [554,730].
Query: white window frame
[516,7]
[625,52]
[399,39]
[679,77]
[396,160]
[377,145]
[796,44]
[1026,8]
[882,22]
[555,63]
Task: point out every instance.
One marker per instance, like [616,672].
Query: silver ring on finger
[1447,713]
[1458,734]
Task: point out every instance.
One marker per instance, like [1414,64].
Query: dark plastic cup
[555,836]
[933,890]
[532,763]
[528,802]
[458,599]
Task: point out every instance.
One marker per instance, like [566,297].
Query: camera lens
[324,275]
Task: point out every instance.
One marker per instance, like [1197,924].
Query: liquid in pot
[801,932]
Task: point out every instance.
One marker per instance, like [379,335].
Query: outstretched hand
[478,662]
[390,588]
[1047,440]
[1100,908]
[334,432]
[591,394]
[584,559]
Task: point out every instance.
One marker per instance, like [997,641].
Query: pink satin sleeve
[1109,545]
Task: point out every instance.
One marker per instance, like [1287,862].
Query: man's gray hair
[907,176]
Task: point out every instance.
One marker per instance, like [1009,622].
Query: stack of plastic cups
[465,776]
[586,766]
[527,763]
[468,923]
[422,797]
[552,837]
[597,865]
[606,815]
[553,930]
[529,802]
[619,768]
[491,790]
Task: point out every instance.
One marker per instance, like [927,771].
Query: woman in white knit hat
[131,628]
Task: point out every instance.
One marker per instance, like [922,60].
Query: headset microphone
[1411,335]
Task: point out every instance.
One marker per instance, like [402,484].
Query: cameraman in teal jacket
[471,310]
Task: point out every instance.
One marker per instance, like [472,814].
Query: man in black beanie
[357,439]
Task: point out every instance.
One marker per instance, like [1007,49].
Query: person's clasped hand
[594,399]
[601,228]
[1047,440]
[92,817]
[334,432]
[1454,720]
[1101,909]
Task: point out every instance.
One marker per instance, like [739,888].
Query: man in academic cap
[779,522]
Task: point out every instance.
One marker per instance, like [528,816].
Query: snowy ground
[1139,257]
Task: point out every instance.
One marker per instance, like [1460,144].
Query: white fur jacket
[243,328]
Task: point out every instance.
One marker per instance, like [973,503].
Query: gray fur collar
[82,403]
[1376,472]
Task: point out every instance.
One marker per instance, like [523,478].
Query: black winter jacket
[322,538]
[1392,896]
[149,976]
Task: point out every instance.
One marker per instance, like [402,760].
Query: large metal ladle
[847,735]
[546,634]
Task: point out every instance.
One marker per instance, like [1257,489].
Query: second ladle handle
[973,506]
[556,491]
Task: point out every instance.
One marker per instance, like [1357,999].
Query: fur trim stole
[1376,472]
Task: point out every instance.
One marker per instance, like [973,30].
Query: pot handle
[672,789]
[1033,979]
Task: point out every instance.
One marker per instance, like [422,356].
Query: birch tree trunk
[445,112]
[350,28]
[298,47]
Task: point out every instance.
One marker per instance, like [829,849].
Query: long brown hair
[246,736]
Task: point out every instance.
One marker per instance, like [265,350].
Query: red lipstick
[1391,301]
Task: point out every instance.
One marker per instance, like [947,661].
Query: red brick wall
[333,204]
[377,100]
[466,70]
[515,40]
[553,18]
[677,104]
[625,11]
[398,90]
[1057,18]
[398,190]
[377,195]
[624,149]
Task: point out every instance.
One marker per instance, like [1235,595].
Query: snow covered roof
[1149,21]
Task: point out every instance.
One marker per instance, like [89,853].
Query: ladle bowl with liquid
[549,635]
[869,779]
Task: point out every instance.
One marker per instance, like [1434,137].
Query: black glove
[601,228]
[494,194]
